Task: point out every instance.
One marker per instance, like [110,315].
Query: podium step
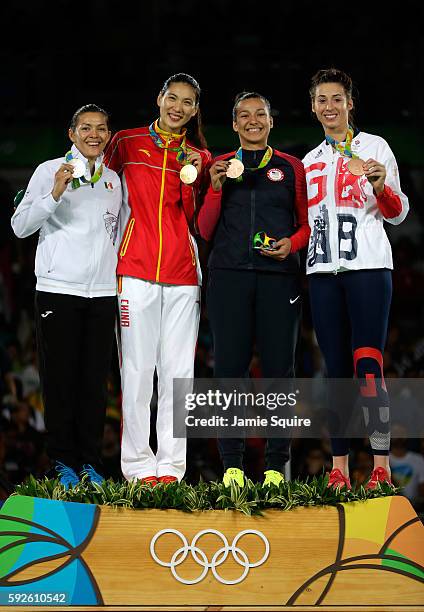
[355,556]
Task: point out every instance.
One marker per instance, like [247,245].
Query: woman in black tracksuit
[254,293]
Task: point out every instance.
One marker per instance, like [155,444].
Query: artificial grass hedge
[253,498]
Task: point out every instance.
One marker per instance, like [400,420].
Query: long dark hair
[334,75]
[194,126]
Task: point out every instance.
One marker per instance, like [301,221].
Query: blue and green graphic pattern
[36,558]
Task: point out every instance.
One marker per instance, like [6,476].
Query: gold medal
[235,169]
[79,167]
[356,166]
[188,174]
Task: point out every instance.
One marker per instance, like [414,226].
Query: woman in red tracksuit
[162,167]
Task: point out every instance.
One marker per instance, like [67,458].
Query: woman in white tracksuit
[73,202]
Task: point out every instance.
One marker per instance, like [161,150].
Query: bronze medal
[188,174]
[235,169]
[356,166]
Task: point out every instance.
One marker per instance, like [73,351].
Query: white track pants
[159,326]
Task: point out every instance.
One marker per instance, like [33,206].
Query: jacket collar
[168,135]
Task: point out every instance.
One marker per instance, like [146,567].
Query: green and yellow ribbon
[77,182]
[345,148]
[182,149]
[265,159]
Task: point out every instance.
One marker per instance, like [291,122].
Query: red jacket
[157,244]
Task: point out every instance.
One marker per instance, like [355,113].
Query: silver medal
[79,167]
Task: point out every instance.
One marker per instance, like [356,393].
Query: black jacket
[272,200]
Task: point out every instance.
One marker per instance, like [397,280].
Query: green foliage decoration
[251,499]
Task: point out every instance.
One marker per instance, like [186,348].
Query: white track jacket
[345,215]
[76,247]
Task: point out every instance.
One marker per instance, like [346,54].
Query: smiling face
[177,105]
[331,105]
[91,134]
[253,123]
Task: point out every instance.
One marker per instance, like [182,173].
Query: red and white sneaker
[167,479]
[378,475]
[152,481]
[337,480]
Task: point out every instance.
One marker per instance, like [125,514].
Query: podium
[354,556]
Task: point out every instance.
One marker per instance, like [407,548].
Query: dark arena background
[57,56]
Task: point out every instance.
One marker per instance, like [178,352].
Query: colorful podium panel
[356,554]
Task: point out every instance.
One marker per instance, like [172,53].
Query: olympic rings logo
[180,555]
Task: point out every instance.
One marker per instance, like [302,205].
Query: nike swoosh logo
[295,300]
[46,314]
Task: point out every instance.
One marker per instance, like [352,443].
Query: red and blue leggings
[350,312]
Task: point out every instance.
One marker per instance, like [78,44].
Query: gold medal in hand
[188,174]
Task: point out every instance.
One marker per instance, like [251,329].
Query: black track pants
[75,338]
[245,307]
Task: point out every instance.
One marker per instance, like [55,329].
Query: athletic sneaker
[378,475]
[272,477]
[167,479]
[67,476]
[93,476]
[233,475]
[152,481]
[337,480]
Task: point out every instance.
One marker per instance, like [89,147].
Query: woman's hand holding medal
[218,172]
[372,169]
[61,179]
[192,167]
[376,174]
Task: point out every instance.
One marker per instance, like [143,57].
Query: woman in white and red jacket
[162,168]
[353,187]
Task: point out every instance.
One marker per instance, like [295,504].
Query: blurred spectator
[24,445]
[362,466]
[407,468]
[7,379]
[316,462]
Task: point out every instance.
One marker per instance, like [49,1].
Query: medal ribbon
[344,149]
[77,182]
[181,149]
[265,159]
